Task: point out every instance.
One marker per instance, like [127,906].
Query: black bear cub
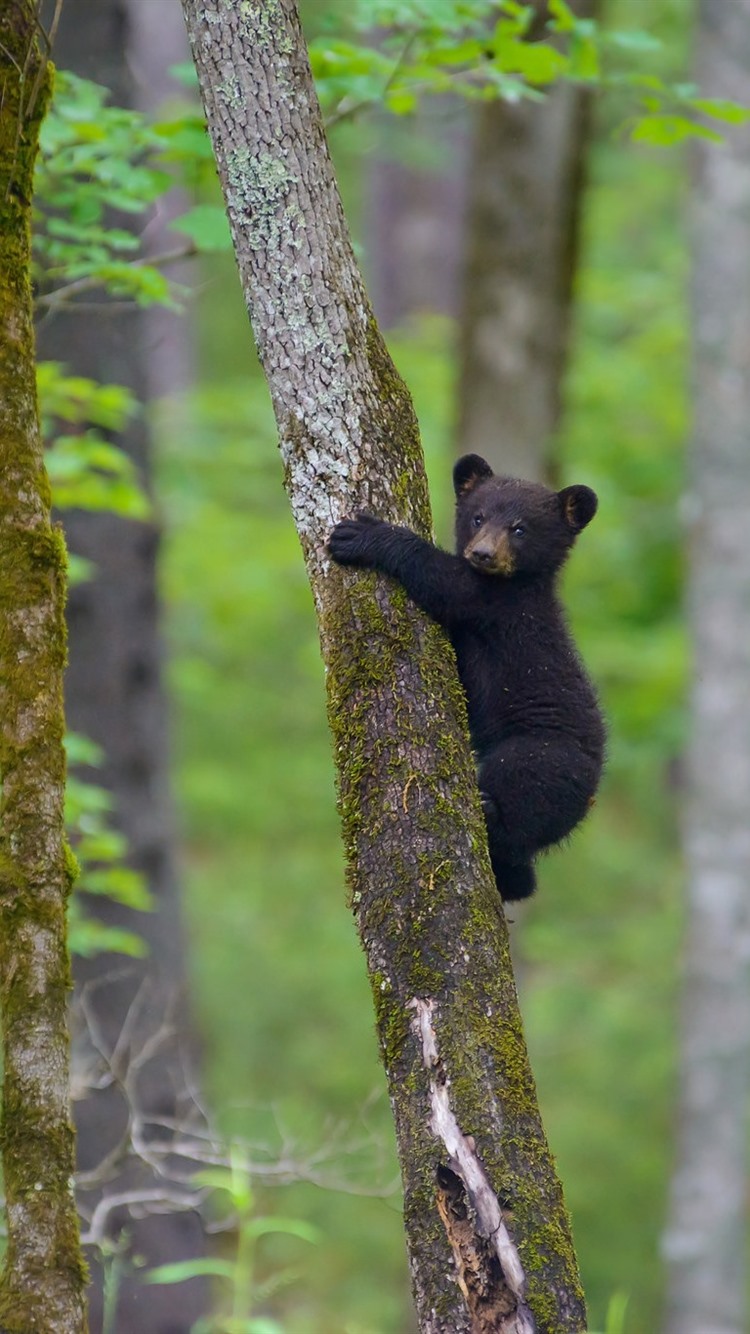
[535,723]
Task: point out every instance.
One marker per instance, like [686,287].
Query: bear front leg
[357,541]
[443,585]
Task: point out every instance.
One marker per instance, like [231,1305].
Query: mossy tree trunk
[42,1285]
[482,1202]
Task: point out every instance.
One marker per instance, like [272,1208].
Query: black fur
[535,723]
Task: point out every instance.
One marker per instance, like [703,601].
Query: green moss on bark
[42,1285]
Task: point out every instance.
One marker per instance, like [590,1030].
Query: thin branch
[354,108]
[61,296]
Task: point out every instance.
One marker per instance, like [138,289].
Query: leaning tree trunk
[706,1241]
[470,1138]
[522,244]
[42,1285]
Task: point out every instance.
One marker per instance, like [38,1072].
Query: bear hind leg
[534,791]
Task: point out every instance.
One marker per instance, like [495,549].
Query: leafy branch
[402,50]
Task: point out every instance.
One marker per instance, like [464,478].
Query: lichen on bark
[42,1284]
[426,906]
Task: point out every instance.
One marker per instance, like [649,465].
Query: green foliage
[100,851]
[98,160]
[88,472]
[244,1290]
[671,114]
[95,158]
[85,469]
[402,50]
[207,227]
[477,48]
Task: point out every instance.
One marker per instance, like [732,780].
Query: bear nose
[482,555]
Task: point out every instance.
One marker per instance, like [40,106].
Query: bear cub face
[508,528]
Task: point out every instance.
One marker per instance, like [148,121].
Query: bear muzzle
[490,552]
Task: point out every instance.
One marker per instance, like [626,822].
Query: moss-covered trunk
[42,1285]
[482,1202]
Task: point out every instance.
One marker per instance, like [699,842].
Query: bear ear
[579,505]
[468,472]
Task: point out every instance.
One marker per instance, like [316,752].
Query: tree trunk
[486,1226]
[522,244]
[42,1285]
[706,1241]
[415,217]
[115,694]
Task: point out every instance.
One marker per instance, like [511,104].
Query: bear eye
[518,530]
[478,520]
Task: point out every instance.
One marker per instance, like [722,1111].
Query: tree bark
[115,694]
[486,1226]
[42,1285]
[526,185]
[706,1240]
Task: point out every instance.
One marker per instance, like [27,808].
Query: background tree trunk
[115,692]
[415,222]
[469,1133]
[706,1241]
[525,195]
[42,1285]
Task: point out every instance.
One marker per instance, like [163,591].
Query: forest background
[278,989]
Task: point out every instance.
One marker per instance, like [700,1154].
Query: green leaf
[218,1178]
[721,109]
[666,130]
[87,472]
[103,845]
[82,750]
[119,883]
[87,937]
[292,1227]
[584,58]
[75,399]
[207,227]
[401,101]
[536,61]
[185,73]
[184,1269]
[80,570]
[638,40]
[564,20]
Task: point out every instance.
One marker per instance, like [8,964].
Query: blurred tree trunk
[482,1201]
[115,693]
[706,1240]
[513,212]
[525,194]
[416,212]
[43,1279]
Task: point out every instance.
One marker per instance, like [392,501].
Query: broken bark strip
[489,1269]
[426,906]
[42,1285]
